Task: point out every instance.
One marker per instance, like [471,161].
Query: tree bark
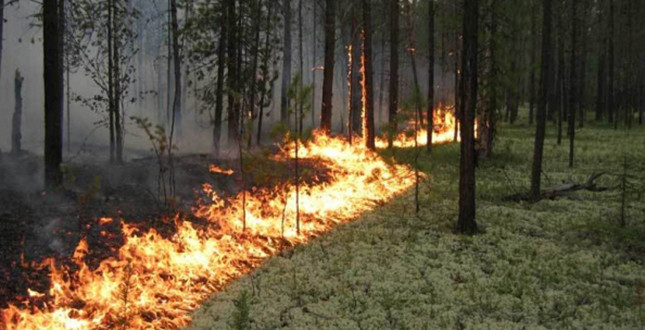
[534,49]
[111,64]
[286,64]
[355,78]
[573,77]
[545,80]
[16,123]
[431,51]
[219,89]
[176,104]
[602,67]
[466,223]
[53,92]
[118,127]
[232,73]
[611,106]
[393,93]
[368,116]
[328,75]
[265,69]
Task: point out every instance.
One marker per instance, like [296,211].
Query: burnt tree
[430,109]
[53,92]
[368,79]
[16,122]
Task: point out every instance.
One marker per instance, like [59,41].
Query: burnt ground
[35,225]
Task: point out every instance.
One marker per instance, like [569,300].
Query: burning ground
[155,278]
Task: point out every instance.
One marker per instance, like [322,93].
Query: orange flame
[444,127]
[156,282]
[216,169]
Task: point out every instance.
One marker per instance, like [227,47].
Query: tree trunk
[265,68]
[534,49]
[430,109]
[573,77]
[254,68]
[560,81]
[118,125]
[314,48]
[611,107]
[1,32]
[368,79]
[393,93]
[328,75]
[545,80]
[457,87]
[466,223]
[486,126]
[53,89]
[602,67]
[301,72]
[16,123]
[355,79]
[111,63]
[286,64]
[176,119]
[232,76]
[219,94]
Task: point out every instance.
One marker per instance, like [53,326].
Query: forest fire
[444,131]
[156,282]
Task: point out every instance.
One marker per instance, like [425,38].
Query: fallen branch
[563,190]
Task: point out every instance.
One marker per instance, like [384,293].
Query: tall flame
[156,282]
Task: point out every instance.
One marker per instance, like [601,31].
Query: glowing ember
[156,282]
[215,169]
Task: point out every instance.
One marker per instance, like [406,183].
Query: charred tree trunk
[53,92]
[545,80]
[328,75]
[16,123]
[286,64]
[219,89]
[487,123]
[302,68]
[466,223]
[457,88]
[314,56]
[430,109]
[368,79]
[393,93]
[254,69]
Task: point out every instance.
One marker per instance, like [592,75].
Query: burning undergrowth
[155,281]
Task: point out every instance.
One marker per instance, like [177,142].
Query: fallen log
[563,190]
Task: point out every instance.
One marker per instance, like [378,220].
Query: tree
[545,81]
[53,92]
[286,64]
[368,85]
[176,56]
[393,94]
[16,123]
[468,90]
[430,115]
[219,93]
[573,89]
[328,74]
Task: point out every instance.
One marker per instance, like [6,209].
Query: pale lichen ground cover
[562,264]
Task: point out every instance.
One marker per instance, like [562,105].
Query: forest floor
[555,264]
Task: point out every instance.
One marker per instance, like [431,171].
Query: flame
[156,282]
[444,126]
[216,169]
